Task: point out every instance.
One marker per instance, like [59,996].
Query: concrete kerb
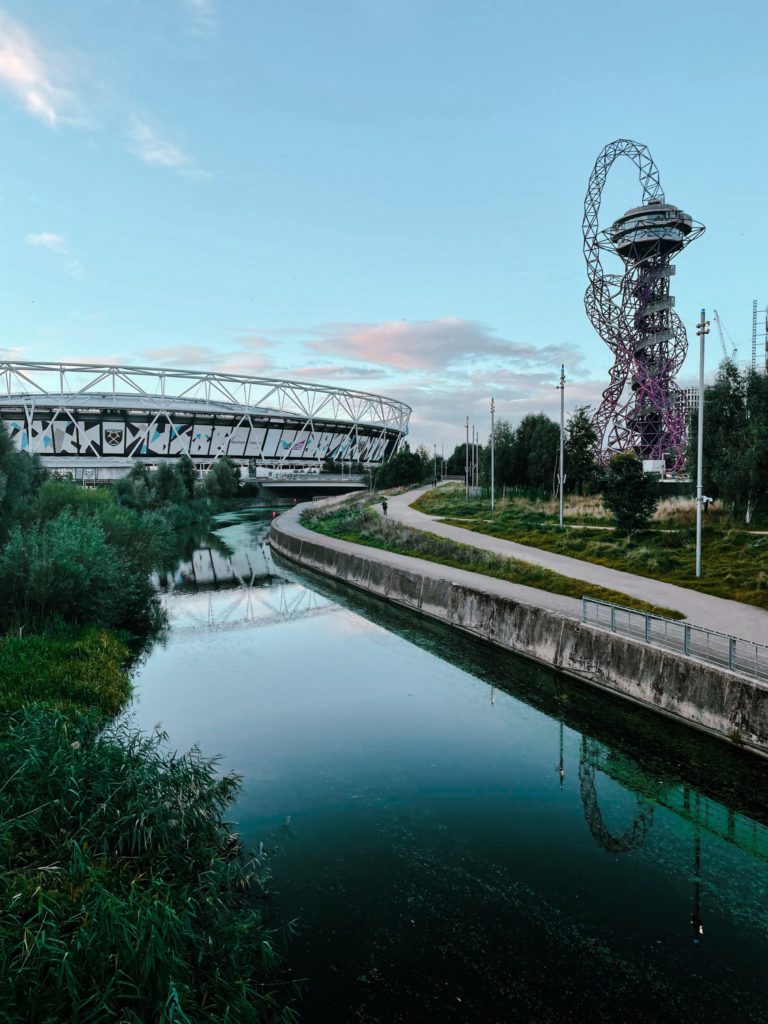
[700,695]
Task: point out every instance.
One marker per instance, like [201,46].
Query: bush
[124,892]
[66,570]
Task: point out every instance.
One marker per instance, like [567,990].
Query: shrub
[65,570]
[125,895]
[629,493]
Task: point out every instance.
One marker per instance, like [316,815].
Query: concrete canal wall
[717,701]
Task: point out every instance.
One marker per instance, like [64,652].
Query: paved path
[716,613]
[289,523]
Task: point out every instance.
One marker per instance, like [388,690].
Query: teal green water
[459,834]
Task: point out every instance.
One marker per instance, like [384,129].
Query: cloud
[203,357]
[29,72]
[11,354]
[150,147]
[203,11]
[445,369]
[182,355]
[56,244]
[428,344]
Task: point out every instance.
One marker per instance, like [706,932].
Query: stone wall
[720,702]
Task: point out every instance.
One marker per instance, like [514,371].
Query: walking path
[732,617]
[570,606]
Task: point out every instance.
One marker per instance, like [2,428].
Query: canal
[458,834]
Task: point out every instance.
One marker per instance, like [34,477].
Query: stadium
[93,422]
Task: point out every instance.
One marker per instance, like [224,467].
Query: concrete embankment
[705,697]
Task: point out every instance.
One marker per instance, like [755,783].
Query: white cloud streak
[56,244]
[152,148]
[29,72]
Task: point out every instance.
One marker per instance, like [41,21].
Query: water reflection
[462,835]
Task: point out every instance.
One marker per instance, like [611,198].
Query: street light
[562,442]
[466,464]
[493,410]
[701,331]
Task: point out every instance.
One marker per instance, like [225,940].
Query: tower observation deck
[634,314]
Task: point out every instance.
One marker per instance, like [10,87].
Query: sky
[380,194]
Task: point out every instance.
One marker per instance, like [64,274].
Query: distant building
[688,400]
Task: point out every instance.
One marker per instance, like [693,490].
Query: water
[439,864]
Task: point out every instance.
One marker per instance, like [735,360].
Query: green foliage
[135,490]
[405,468]
[525,456]
[67,672]
[122,886]
[537,446]
[167,485]
[735,440]
[629,493]
[735,563]
[20,477]
[580,465]
[65,570]
[223,479]
[185,469]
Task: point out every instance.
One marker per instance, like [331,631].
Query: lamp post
[493,482]
[702,330]
[562,441]
[466,463]
[434,449]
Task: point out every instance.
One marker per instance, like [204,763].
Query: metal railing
[730,652]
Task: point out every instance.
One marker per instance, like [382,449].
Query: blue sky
[381,193]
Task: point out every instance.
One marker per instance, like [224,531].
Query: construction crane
[732,358]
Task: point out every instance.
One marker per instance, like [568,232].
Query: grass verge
[734,561]
[362,525]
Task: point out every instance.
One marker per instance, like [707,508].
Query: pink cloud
[428,344]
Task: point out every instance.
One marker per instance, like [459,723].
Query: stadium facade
[94,422]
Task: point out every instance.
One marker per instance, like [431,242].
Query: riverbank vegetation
[126,895]
[361,524]
[734,564]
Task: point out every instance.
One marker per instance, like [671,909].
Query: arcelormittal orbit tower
[634,313]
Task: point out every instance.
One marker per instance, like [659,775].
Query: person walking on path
[384,505]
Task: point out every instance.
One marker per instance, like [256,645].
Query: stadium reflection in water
[461,836]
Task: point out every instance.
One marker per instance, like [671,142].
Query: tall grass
[124,890]
[362,525]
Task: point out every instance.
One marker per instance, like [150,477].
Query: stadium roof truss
[64,389]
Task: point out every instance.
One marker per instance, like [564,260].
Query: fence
[742,656]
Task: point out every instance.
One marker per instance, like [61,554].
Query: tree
[503,456]
[20,477]
[629,493]
[185,469]
[536,449]
[457,462]
[735,440]
[406,467]
[223,479]
[135,489]
[167,485]
[580,463]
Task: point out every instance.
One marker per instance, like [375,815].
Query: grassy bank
[734,563]
[126,896]
[362,525]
